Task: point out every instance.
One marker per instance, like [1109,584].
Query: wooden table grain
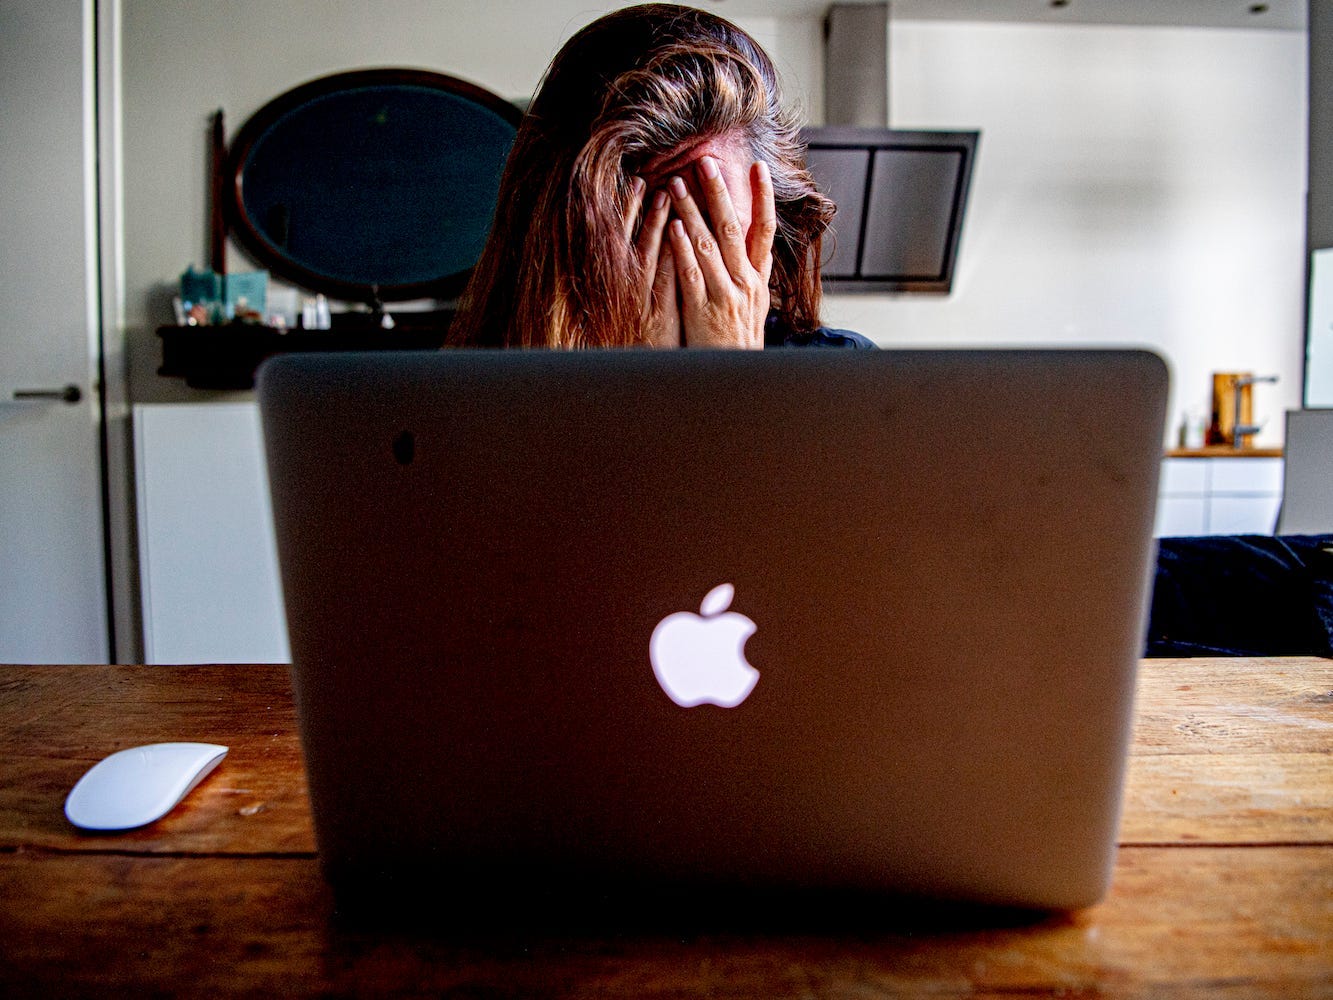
[1223,886]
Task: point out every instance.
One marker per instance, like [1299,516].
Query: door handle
[69,394]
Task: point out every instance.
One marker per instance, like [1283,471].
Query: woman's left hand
[722,272]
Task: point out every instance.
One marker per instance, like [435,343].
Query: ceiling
[1282,15]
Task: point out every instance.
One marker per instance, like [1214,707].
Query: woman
[656,195]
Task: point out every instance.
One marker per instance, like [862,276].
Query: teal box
[200,287]
[252,286]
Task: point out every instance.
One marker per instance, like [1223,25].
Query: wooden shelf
[226,357]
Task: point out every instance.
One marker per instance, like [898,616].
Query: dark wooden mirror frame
[285,267]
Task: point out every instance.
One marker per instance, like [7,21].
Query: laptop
[784,620]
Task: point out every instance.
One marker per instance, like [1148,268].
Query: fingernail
[709,166]
[763,169]
[659,199]
[636,184]
[677,187]
[678,227]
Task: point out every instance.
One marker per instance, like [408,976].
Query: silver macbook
[783,620]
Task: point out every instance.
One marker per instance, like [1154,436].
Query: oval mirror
[372,185]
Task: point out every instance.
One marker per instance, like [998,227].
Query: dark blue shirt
[776,335]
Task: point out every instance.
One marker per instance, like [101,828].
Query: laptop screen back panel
[944,554]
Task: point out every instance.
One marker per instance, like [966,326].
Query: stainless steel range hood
[901,195]
[856,65]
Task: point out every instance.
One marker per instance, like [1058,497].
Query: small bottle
[1214,435]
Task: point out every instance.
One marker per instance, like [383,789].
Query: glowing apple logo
[700,658]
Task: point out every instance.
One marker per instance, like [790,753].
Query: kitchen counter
[1223,451]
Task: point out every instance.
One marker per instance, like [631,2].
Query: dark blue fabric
[776,335]
[1244,595]
[825,337]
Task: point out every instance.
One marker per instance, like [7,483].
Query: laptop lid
[783,619]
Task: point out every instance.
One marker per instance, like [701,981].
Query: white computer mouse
[134,787]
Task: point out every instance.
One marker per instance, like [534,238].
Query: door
[53,605]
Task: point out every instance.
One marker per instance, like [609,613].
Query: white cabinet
[1218,496]
[208,566]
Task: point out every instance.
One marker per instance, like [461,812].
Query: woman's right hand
[660,324]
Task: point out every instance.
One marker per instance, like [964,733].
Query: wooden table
[1224,886]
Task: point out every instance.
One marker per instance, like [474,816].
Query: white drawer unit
[1218,496]
[208,565]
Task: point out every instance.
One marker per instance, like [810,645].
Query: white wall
[1133,186]
[1319,360]
[1321,123]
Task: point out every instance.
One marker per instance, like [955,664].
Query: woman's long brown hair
[558,270]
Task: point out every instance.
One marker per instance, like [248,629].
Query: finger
[689,276]
[661,313]
[664,282]
[722,211]
[666,302]
[654,226]
[635,206]
[763,221]
[704,256]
